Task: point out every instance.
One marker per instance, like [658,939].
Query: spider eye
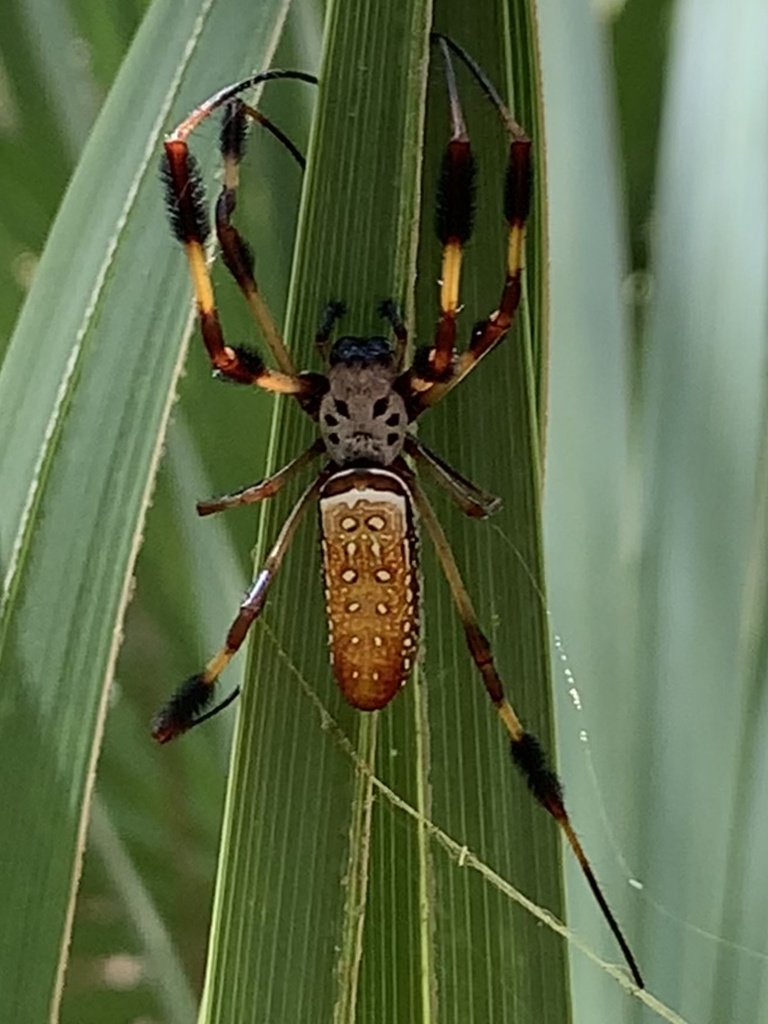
[342,409]
[380,406]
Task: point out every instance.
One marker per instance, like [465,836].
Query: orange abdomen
[371,583]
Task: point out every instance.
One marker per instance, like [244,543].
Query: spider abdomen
[371,583]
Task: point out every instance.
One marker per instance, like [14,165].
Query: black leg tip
[183,709]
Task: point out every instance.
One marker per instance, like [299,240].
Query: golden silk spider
[366,493]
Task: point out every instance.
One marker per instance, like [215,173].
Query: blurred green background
[657,143]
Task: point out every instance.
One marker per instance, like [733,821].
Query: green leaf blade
[85,393]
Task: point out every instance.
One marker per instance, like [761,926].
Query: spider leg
[469,497]
[453,224]
[236,253]
[489,332]
[185,199]
[265,488]
[186,210]
[526,750]
[187,705]
[429,380]
[183,130]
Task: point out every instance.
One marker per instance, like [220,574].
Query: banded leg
[185,708]
[472,501]
[517,202]
[236,253]
[526,750]
[265,488]
[186,210]
[455,213]
[185,200]
[453,225]
[454,216]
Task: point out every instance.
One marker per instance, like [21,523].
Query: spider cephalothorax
[362,417]
[366,493]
